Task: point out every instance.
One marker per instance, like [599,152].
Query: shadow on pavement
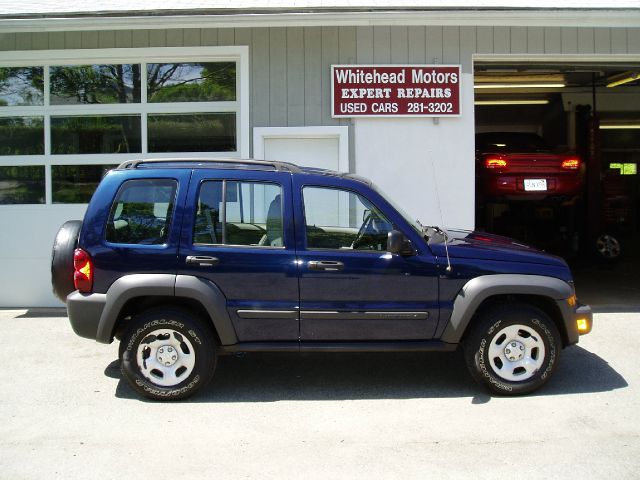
[44,313]
[348,376]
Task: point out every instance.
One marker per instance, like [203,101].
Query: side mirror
[398,244]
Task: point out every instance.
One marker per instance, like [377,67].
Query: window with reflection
[76,183]
[95,134]
[22,185]
[95,84]
[192,132]
[21,136]
[191,82]
[21,86]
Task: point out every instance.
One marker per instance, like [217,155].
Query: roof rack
[278,166]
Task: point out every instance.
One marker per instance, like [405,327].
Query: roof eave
[456,17]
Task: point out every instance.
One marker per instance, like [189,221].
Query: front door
[240,237]
[351,288]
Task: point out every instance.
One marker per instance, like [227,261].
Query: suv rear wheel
[167,354]
[512,349]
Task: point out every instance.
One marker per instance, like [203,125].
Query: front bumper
[578,319]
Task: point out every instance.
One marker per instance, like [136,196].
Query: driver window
[343,220]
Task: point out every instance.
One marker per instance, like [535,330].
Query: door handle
[325,265]
[202,261]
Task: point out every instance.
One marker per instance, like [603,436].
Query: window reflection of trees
[191,82]
[95,84]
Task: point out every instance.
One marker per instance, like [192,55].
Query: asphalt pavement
[65,412]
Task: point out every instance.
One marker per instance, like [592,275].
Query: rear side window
[141,213]
[239,213]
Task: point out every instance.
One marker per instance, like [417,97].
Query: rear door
[238,233]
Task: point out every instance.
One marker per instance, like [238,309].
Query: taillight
[83,274]
[495,162]
[571,164]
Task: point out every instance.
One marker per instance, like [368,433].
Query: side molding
[478,289]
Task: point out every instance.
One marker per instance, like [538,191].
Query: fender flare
[478,289]
[165,285]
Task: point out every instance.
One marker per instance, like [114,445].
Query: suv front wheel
[512,349]
[167,354]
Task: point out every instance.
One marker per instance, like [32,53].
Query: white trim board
[341,133]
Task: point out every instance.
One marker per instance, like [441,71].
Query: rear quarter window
[141,212]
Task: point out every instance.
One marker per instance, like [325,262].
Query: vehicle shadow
[356,376]
[41,312]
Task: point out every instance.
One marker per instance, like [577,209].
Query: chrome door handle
[202,261]
[325,265]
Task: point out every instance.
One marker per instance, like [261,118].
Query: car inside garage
[557,153]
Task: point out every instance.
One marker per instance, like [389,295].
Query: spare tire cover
[64,245]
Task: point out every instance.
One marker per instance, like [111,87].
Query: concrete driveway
[66,413]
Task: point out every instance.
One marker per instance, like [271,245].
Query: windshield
[415,224]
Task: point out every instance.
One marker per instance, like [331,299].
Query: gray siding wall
[290,75]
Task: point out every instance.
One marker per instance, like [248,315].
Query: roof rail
[278,166]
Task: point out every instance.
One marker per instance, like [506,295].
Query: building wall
[290,85]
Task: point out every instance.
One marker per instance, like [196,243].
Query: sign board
[395,90]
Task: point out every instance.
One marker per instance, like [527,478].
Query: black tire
[64,245]
[507,328]
[179,329]
[608,248]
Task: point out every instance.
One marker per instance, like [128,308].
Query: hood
[486,246]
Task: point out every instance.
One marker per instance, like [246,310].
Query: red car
[520,166]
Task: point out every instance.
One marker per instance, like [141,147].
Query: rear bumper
[85,311]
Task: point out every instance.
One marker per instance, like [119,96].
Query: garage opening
[557,154]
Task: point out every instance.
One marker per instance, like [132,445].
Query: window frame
[142,56]
[340,189]
[223,221]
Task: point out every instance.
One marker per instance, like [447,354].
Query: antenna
[444,234]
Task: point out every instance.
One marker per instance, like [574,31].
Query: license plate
[535,184]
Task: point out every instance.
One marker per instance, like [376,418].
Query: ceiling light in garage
[622,78]
[512,102]
[620,126]
[520,85]
[527,80]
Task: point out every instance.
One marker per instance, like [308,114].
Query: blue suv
[183,260]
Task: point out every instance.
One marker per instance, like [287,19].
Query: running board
[399,346]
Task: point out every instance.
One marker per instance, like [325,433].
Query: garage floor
[611,287]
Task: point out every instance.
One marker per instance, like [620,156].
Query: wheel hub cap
[167,355]
[514,351]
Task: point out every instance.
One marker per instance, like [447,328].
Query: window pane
[253,214]
[21,185]
[21,136]
[340,219]
[141,213]
[191,82]
[201,132]
[21,86]
[76,183]
[95,134]
[95,84]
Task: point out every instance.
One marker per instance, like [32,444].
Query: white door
[320,147]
